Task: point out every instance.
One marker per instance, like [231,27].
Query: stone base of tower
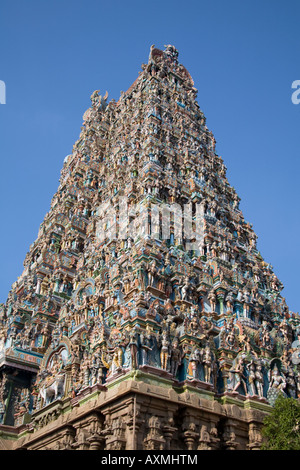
[140,411]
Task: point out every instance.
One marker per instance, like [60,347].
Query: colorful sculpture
[107,291]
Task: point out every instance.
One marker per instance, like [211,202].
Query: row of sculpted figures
[71,365]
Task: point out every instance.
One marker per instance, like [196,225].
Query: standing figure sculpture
[164,351]
[194,361]
[239,376]
[252,378]
[259,380]
[145,341]
[208,362]
[175,357]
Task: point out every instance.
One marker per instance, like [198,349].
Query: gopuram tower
[145,317]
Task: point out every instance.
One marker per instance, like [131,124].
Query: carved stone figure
[239,378]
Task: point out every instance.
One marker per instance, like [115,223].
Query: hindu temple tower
[125,331]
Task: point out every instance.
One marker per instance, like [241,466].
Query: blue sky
[243,57]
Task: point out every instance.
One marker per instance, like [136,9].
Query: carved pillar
[133,423]
[66,440]
[114,434]
[255,420]
[190,435]
[204,439]
[96,439]
[214,437]
[6,390]
[190,438]
[154,439]
[255,438]
[81,440]
[229,437]
[89,435]
[168,431]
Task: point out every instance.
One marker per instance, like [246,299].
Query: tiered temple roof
[114,286]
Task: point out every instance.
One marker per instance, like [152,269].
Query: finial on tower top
[172,52]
